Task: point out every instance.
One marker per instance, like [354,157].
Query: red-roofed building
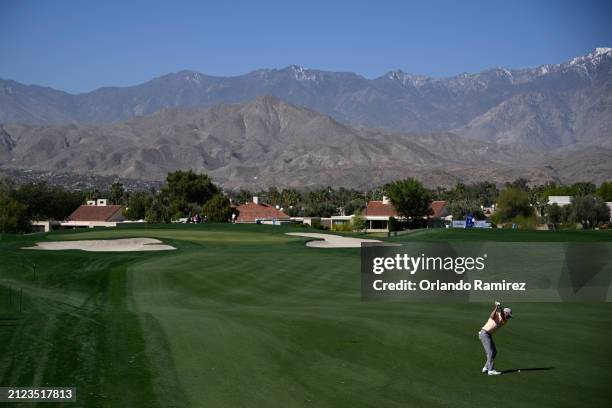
[382,208]
[254,212]
[96,213]
[439,210]
[377,214]
[104,213]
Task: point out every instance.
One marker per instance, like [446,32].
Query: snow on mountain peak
[192,76]
[397,74]
[302,74]
[406,78]
[593,57]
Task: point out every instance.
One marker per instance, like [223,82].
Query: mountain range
[299,127]
[547,107]
[269,142]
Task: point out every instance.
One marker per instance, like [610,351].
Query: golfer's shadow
[516,370]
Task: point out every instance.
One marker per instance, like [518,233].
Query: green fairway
[245,316]
[505,235]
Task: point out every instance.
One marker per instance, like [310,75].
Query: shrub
[555,214]
[316,224]
[158,211]
[589,211]
[358,223]
[459,209]
[13,216]
[218,209]
[512,203]
[523,222]
[343,227]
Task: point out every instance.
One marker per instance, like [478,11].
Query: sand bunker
[107,245]
[331,241]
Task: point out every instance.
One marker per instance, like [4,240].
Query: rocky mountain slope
[270,142]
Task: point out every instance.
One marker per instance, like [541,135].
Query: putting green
[247,316]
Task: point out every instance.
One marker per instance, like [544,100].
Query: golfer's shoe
[484,370]
[493,372]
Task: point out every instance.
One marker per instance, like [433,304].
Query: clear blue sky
[78,46]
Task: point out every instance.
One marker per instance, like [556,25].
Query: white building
[560,200]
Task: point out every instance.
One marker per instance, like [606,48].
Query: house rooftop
[251,212]
[380,209]
[385,209]
[95,213]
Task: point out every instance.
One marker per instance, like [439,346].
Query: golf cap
[508,311]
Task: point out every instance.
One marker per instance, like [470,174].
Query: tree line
[184,194]
[187,193]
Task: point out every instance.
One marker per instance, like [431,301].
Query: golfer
[497,319]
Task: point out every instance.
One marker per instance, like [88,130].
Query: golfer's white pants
[489,346]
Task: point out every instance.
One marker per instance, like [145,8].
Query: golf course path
[106,245]
[331,241]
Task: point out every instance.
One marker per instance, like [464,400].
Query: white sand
[331,241]
[107,245]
